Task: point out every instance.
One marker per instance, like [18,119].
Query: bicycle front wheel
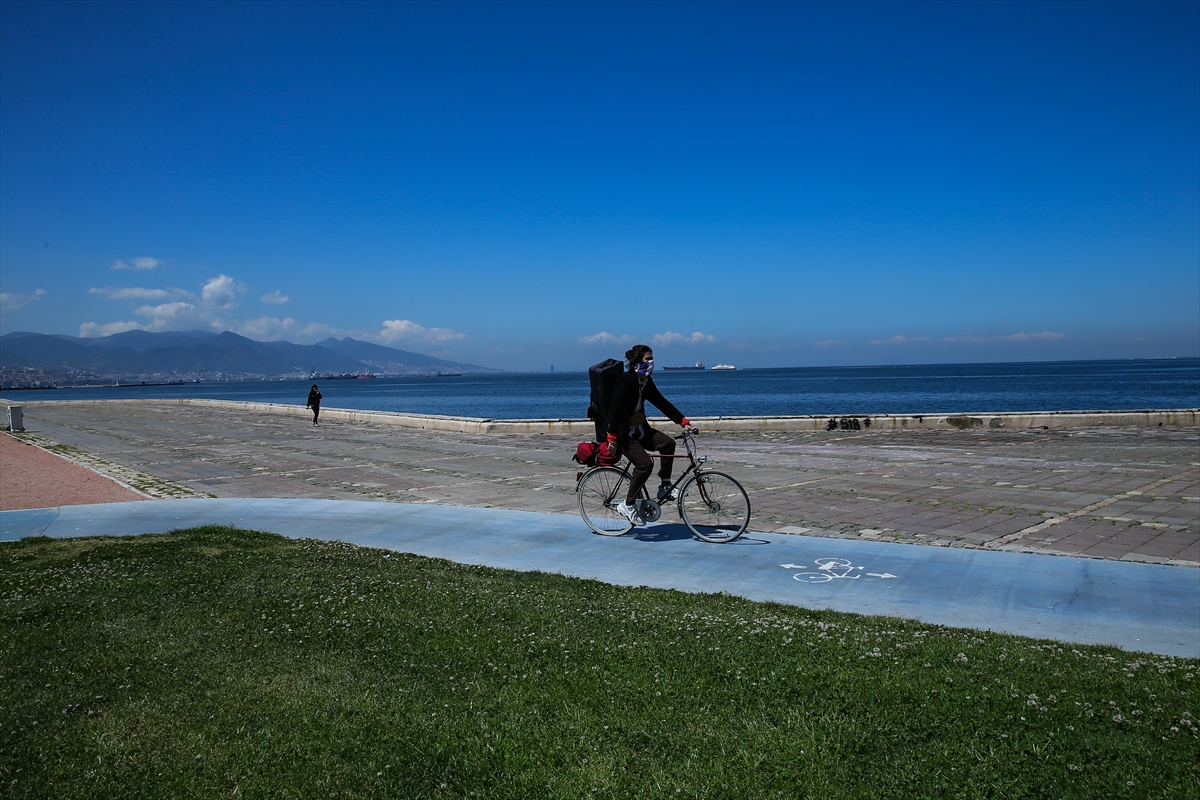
[601,490]
[714,507]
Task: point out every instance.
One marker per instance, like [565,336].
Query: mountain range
[206,354]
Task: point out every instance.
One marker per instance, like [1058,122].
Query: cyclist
[630,434]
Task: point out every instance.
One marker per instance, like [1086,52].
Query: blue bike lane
[1141,607]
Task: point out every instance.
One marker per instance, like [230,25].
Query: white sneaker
[631,513]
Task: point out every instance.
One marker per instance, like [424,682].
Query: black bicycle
[713,505]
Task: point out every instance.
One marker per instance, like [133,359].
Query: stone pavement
[1142,607]
[1114,493]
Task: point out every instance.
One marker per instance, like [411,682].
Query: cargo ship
[697,365]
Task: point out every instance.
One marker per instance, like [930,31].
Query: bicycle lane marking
[833,568]
[1135,606]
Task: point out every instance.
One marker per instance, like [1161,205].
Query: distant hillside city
[36,360]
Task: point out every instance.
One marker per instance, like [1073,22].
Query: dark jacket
[314,398]
[624,404]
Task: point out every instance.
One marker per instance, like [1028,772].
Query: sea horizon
[708,367]
[1093,385]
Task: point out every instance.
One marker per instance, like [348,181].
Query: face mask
[645,368]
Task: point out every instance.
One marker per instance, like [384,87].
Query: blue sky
[519,185]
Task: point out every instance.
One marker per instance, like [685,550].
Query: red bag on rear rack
[585,453]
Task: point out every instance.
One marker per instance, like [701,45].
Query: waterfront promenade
[1128,493]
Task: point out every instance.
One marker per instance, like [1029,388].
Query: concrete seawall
[1048,420]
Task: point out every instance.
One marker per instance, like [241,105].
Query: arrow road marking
[880,574]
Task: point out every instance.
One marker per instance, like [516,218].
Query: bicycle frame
[694,465]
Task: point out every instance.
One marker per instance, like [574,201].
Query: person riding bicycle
[630,434]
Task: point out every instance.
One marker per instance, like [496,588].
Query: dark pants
[316,409]
[643,465]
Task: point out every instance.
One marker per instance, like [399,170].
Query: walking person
[314,402]
[630,434]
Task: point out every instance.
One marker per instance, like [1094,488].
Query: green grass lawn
[216,662]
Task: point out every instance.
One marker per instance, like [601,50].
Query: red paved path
[32,478]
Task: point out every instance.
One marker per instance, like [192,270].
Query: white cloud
[210,309]
[12,302]
[1047,336]
[406,330]
[671,337]
[185,309]
[92,330]
[268,328]
[314,331]
[221,291]
[140,263]
[176,309]
[137,293]
[604,337]
[179,315]
[901,340]
[829,343]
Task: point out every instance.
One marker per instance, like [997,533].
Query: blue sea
[925,389]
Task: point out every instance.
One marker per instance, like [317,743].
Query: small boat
[697,365]
[724,366]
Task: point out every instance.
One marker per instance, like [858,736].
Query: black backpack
[603,377]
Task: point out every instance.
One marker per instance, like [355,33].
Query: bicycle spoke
[715,507]
[600,490]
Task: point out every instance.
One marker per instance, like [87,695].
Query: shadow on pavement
[676,531]
[662,532]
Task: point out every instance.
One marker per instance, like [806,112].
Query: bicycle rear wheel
[715,507]
[601,490]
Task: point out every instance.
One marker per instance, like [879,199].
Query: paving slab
[1136,606]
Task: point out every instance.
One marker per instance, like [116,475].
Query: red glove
[609,454]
